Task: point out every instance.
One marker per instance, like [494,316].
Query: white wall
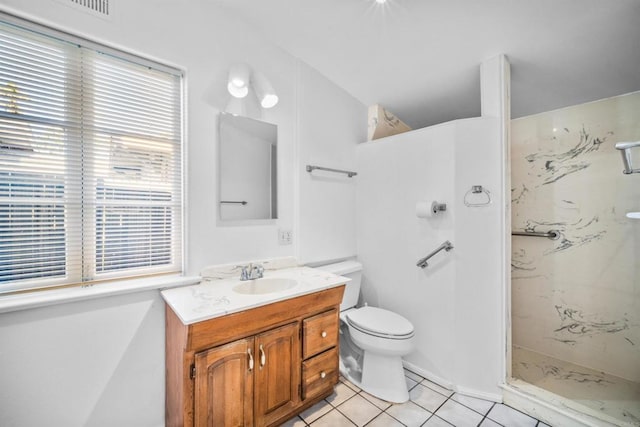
[479,234]
[102,362]
[90,363]
[394,174]
[457,303]
[331,123]
[483,235]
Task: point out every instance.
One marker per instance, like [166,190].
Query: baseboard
[428,375]
[494,397]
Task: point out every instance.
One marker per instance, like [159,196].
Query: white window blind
[90,162]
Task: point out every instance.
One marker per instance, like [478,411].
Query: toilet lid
[378,321]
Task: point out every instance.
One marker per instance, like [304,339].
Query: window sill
[27,301]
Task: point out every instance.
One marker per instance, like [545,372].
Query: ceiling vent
[100,8]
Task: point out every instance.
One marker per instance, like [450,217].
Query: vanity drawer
[320,373]
[319,333]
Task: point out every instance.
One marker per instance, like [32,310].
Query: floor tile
[458,415]
[382,404]
[436,421]
[427,398]
[410,383]
[316,411]
[409,413]
[437,387]
[385,420]
[487,422]
[479,405]
[417,378]
[541,424]
[333,419]
[349,384]
[509,417]
[359,410]
[341,393]
[295,422]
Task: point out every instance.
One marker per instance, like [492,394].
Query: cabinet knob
[323,334]
[323,374]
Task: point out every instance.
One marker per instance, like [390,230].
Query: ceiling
[420,58]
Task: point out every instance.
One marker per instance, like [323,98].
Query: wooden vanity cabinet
[257,367]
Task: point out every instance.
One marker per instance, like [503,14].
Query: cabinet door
[224,385]
[277,378]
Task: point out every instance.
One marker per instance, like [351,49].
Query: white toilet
[372,341]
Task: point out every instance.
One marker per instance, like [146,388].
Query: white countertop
[214,297]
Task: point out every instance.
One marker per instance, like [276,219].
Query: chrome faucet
[251,272]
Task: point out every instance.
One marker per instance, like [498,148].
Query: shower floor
[613,396]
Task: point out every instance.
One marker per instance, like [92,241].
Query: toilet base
[385,378]
[391,385]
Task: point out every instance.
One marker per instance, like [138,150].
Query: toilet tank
[352,270]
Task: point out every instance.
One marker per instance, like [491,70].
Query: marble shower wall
[577,298]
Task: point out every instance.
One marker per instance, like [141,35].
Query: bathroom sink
[264,286]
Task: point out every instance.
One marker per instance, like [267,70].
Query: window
[90,161]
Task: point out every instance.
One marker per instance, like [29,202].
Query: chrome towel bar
[551,234]
[447,246]
[231,202]
[311,168]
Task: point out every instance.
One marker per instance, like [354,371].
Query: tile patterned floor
[430,405]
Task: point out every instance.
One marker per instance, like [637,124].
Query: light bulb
[238,92]
[269,100]
[238,81]
[238,84]
[264,91]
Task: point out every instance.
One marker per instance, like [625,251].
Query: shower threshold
[598,392]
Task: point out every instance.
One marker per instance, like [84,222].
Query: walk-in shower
[576,299]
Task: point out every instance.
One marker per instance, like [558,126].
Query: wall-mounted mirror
[248,169]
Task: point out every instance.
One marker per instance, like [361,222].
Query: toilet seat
[380,323]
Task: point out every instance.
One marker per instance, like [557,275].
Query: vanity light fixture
[381,1]
[241,77]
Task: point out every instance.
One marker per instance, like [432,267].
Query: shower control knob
[323,374]
[323,334]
